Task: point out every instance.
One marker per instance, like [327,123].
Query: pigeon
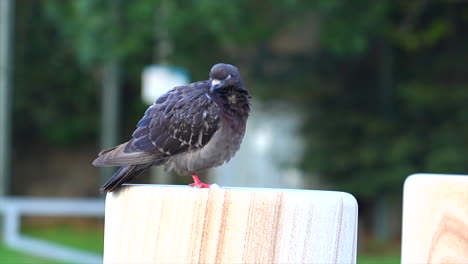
[189,129]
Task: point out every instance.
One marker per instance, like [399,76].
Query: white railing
[12,208]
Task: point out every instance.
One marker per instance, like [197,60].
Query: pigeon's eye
[228,77]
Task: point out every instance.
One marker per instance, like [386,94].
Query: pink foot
[197,183]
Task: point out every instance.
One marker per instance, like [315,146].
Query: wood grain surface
[178,224]
[435,219]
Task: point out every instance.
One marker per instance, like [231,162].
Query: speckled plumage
[189,129]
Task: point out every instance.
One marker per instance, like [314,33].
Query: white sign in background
[158,79]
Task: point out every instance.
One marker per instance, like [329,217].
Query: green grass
[90,238]
[9,256]
[85,238]
[379,252]
[393,258]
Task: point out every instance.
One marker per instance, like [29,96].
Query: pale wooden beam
[435,219]
[178,224]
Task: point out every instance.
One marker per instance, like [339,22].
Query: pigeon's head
[224,75]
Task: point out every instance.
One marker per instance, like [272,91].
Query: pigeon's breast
[220,149]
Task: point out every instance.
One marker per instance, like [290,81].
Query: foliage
[384,89]
[54,97]
[57,78]
[396,106]
[384,96]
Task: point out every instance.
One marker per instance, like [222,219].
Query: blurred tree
[202,32]
[383,84]
[390,99]
[384,94]
[395,98]
[54,97]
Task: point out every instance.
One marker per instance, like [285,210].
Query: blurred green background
[382,88]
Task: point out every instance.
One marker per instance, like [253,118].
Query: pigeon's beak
[215,84]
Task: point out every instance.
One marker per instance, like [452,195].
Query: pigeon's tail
[123,175]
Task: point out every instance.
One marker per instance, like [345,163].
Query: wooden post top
[435,219]
[179,224]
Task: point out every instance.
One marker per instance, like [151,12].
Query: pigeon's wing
[183,119]
[117,156]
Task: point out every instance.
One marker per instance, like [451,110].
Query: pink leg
[197,183]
